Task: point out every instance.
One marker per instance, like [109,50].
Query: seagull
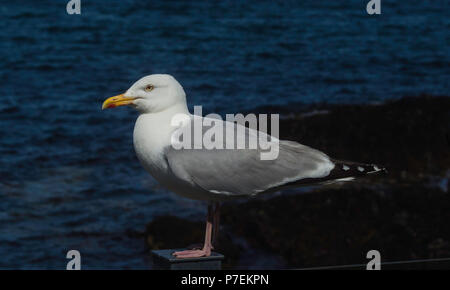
[217,174]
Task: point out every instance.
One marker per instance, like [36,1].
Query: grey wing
[242,172]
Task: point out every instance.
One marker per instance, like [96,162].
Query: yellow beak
[116,101]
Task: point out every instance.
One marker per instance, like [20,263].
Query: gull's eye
[149,88]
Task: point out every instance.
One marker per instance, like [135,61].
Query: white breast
[152,134]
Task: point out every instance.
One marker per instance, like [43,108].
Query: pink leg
[206,250]
[215,229]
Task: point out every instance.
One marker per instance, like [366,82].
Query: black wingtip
[384,171]
[353,169]
[344,171]
[381,169]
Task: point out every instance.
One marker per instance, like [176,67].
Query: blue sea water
[69,178]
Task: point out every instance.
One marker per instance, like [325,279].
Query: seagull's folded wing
[242,172]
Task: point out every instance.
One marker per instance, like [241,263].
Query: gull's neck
[161,121]
[154,130]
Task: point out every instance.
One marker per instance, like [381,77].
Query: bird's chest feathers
[150,137]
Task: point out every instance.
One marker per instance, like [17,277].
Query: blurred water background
[69,178]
